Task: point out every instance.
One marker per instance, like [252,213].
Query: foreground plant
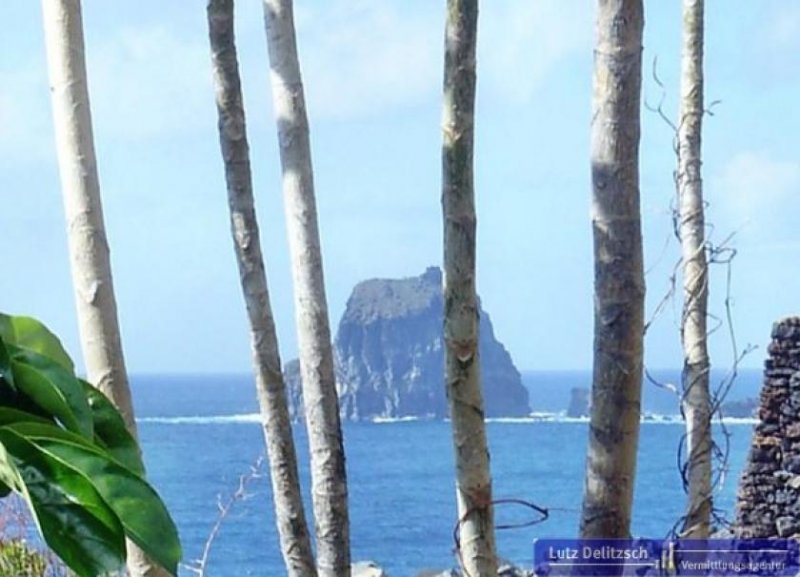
[65,450]
[19,559]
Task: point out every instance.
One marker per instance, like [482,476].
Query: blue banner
[657,557]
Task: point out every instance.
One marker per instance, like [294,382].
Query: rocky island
[741,409]
[580,400]
[389,355]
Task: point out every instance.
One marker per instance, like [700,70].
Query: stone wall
[768,503]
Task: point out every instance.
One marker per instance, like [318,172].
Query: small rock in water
[367,569]
[508,570]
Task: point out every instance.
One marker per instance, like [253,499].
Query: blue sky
[372,71]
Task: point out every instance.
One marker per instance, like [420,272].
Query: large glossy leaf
[75,521]
[138,506]
[30,334]
[53,388]
[6,374]
[8,392]
[9,475]
[110,430]
[9,416]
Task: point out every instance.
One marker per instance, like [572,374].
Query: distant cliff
[742,409]
[389,355]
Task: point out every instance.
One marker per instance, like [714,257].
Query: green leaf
[73,518]
[139,508]
[6,374]
[10,398]
[10,416]
[9,475]
[30,334]
[53,388]
[110,430]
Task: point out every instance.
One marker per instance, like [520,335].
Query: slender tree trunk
[88,247]
[270,386]
[477,554]
[328,474]
[696,398]
[619,277]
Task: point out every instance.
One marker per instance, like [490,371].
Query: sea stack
[389,355]
[768,502]
[580,399]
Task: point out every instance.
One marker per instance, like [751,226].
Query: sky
[373,72]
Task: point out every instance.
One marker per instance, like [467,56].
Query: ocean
[200,435]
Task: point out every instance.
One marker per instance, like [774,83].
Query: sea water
[201,434]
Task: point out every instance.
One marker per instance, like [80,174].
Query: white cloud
[148,81]
[25,125]
[521,43]
[781,28]
[757,190]
[363,58]
[360,58]
[366,57]
[775,48]
[142,83]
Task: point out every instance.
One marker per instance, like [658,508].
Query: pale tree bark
[619,278]
[88,247]
[477,554]
[696,397]
[270,387]
[328,474]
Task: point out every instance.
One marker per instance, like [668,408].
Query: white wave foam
[538,417]
[660,419]
[647,419]
[740,420]
[399,419]
[514,420]
[204,420]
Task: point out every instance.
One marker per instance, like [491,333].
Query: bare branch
[199,566]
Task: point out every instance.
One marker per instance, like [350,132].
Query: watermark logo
[657,557]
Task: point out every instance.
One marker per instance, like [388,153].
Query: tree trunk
[619,277]
[477,554]
[88,247]
[270,387]
[696,398]
[328,475]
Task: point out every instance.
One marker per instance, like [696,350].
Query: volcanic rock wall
[768,503]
